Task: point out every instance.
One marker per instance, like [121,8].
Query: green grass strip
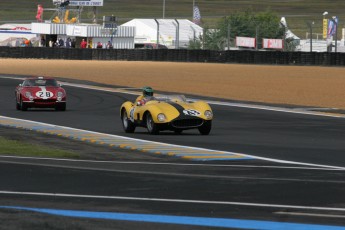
[19,148]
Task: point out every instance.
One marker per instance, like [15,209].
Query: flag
[39,13]
[196,15]
[332,26]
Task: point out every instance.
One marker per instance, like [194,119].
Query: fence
[179,55]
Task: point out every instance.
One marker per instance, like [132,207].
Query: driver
[146,96]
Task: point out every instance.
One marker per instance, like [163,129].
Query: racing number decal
[44,94]
[191,112]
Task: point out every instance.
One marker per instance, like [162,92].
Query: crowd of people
[63,43]
[109,45]
[71,43]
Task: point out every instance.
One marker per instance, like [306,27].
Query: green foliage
[214,40]
[195,44]
[290,44]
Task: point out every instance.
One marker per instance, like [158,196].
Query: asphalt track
[235,193]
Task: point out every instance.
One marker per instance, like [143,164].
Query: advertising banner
[86,2]
[245,42]
[272,43]
[324,28]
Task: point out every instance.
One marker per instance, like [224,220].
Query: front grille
[187,123]
[44,101]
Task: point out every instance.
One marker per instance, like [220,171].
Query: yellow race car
[166,112]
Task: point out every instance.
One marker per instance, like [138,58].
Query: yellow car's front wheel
[127,124]
[205,129]
[151,126]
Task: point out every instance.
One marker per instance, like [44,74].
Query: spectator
[69,43]
[61,43]
[18,43]
[27,43]
[73,43]
[22,43]
[109,45]
[83,44]
[99,45]
[43,42]
[51,43]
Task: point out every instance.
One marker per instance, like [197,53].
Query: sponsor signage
[109,22]
[324,28]
[245,42]
[109,25]
[109,18]
[86,2]
[272,43]
[78,31]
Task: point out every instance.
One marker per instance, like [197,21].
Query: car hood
[180,110]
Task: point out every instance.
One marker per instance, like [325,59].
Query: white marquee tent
[13,34]
[169,30]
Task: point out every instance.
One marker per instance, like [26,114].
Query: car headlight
[60,94]
[208,114]
[28,94]
[161,117]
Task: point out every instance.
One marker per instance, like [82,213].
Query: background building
[172,33]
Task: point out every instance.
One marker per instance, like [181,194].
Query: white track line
[171,164]
[172,200]
[310,214]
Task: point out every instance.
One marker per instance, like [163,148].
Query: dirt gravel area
[292,85]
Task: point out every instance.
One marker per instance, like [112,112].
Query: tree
[194,44]
[214,40]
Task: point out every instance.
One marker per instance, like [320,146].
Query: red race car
[40,92]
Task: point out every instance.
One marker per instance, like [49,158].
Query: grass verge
[19,148]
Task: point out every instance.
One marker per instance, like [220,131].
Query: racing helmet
[147,91]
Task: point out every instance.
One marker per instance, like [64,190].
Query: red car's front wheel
[23,106]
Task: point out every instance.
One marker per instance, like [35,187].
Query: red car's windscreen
[40,82]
